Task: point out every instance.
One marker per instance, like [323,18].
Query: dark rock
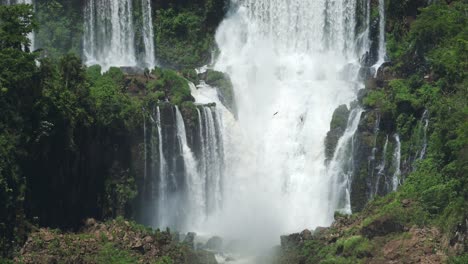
[148,239]
[381,227]
[362,93]
[190,239]
[90,222]
[290,241]
[319,231]
[384,74]
[222,82]
[337,129]
[215,243]
[306,234]
[371,84]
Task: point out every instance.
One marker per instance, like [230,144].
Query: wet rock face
[222,83]
[190,239]
[215,244]
[297,239]
[337,129]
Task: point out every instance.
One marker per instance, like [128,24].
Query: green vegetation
[184,34]
[113,242]
[174,86]
[68,133]
[437,41]
[111,255]
[431,60]
[428,72]
[61,28]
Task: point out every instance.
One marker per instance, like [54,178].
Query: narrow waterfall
[211,158]
[381,168]
[163,176]
[196,204]
[148,34]
[396,163]
[109,33]
[341,166]
[371,163]
[382,51]
[425,121]
[145,149]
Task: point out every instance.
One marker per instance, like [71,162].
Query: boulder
[382,226]
[190,239]
[215,243]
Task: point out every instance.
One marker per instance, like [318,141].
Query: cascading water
[341,167]
[425,121]
[184,168]
[371,163]
[381,167]
[396,163]
[211,158]
[382,51]
[109,34]
[148,34]
[291,63]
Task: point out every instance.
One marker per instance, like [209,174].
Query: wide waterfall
[109,34]
[291,63]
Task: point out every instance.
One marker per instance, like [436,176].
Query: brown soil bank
[116,241]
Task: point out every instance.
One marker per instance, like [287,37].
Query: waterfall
[186,177]
[212,158]
[396,163]
[382,51]
[109,34]
[381,167]
[274,51]
[163,176]
[196,204]
[425,121]
[371,162]
[148,34]
[145,148]
[341,167]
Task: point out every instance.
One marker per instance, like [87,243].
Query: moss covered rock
[337,129]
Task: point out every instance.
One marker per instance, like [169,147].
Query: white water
[163,176]
[292,63]
[109,34]
[148,35]
[381,167]
[396,163]
[341,166]
[425,120]
[382,51]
